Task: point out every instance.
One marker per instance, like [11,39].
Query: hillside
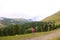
[55,17]
[9,21]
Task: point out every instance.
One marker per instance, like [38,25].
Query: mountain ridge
[55,17]
[9,21]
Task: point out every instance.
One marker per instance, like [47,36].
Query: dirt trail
[47,37]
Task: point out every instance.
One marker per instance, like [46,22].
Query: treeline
[26,28]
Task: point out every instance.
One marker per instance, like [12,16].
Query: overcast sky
[28,8]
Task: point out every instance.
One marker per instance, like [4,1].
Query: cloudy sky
[28,9]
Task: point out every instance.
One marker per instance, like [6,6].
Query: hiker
[33,30]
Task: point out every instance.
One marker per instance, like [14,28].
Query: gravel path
[47,37]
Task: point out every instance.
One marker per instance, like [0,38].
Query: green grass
[23,36]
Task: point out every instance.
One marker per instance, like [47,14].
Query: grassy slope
[22,37]
[58,38]
[55,17]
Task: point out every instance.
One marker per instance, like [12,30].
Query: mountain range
[9,21]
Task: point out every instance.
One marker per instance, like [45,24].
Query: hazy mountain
[55,17]
[9,21]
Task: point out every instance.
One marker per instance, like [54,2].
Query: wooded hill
[10,21]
